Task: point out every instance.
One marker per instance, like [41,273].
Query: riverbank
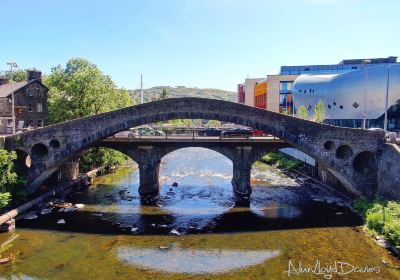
[382,222]
[381,218]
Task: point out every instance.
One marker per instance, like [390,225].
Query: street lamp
[365,62]
[386,100]
[12,65]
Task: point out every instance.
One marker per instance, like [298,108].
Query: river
[195,231]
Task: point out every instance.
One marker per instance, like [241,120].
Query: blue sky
[202,43]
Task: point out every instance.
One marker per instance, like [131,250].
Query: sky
[196,43]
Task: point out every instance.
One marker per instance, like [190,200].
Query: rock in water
[79,205]
[174,232]
[61,222]
[134,229]
[30,216]
[174,184]
[46,211]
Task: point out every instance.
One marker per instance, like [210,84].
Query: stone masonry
[339,149]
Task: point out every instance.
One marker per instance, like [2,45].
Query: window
[39,108]
[9,122]
[30,123]
[39,123]
[30,107]
[30,92]
[39,95]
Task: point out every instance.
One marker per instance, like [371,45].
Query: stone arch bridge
[352,155]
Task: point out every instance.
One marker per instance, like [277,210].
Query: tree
[163,94]
[213,123]
[79,90]
[319,112]
[303,113]
[8,177]
[16,76]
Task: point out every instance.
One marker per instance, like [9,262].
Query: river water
[195,231]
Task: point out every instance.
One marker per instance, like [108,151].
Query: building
[245,93]
[349,97]
[260,94]
[30,102]
[241,95]
[279,97]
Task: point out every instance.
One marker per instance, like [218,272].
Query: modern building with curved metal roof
[349,96]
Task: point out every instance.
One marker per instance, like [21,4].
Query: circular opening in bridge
[39,151]
[22,162]
[329,145]
[365,163]
[55,144]
[344,152]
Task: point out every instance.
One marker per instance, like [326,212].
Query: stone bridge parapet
[352,153]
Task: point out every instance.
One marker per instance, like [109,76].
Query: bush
[392,232]
[281,160]
[361,205]
[5,198]
[100,157]
[382,217]
[8,178]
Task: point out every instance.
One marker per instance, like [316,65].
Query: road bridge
[352,155]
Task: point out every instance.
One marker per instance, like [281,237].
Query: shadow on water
[156,221]
[203,202]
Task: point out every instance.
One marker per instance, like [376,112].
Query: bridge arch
[309,137]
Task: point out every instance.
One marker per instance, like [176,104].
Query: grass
[280,160]
[381,218]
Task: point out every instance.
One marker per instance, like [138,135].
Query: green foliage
[361,205]
[213,123]
[163,94]
[8,178]
[319,112]
[81,89]
[382,218]
[100,157]
[281,160]
[184,122]
[303,113]
[5,198]
[153,93]
[16,76]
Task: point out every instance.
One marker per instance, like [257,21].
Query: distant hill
[181,91]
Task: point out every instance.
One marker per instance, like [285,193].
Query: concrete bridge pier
[241,180]
[149,187]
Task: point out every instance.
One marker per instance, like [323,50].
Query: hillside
[181,91]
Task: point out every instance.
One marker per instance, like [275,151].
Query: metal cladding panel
[348,95]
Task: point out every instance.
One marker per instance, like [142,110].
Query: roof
[6,89]
[390,59]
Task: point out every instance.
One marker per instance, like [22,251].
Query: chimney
[3,81]
[34,75]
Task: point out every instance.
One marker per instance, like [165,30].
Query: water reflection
[191,261]
[125,237]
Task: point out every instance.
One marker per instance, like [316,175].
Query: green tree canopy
[163,94]
[319,112]
[16,76]
[81,89]
[7,176]
[303,112]
[213,123]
